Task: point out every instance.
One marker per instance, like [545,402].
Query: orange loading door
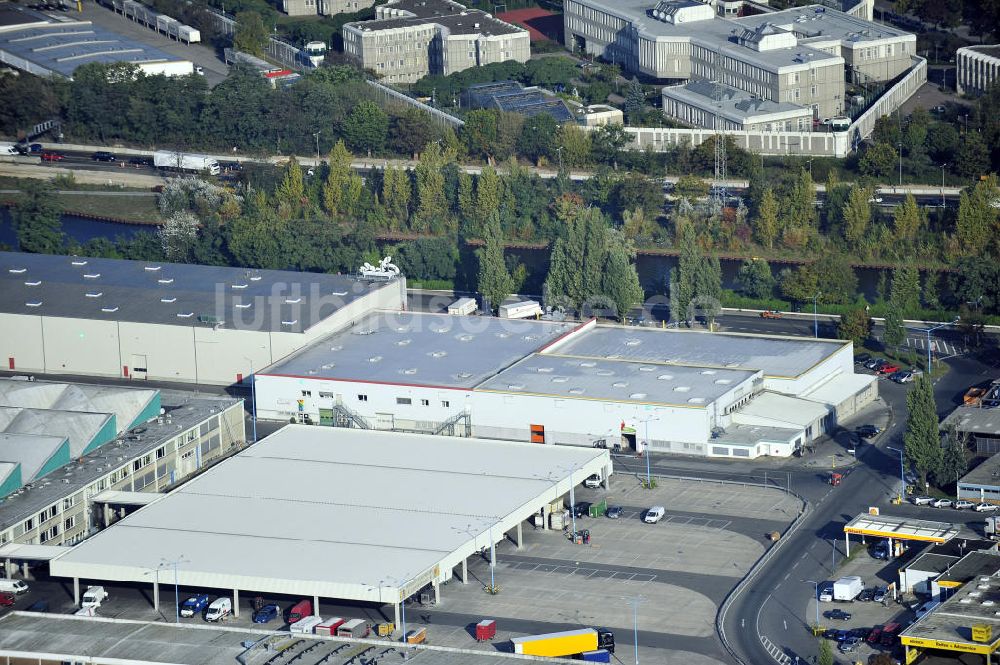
[538,433]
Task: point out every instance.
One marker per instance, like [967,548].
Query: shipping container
[520,310]
[356,628]
[486,630]
[329,627]
[305,626]
[463,307]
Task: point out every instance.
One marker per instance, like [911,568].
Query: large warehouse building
[333,513]
[717,395]
[191,323]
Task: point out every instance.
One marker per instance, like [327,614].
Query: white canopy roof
[338,513]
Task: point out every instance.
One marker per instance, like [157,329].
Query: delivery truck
[565,643]
[93,596]
[848,588]
[185,161]
[463,307]
[329,627]
[356,628]
[305,626]
[520,310]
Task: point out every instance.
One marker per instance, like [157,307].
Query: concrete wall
[842,361]
[660,139]
[20,347]
[976,70]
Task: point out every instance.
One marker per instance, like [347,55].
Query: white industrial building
[335,513]
[685,392]
[165,321]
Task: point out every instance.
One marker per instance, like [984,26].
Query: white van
[93,596]
[13,586]
[219,609]
[654,515]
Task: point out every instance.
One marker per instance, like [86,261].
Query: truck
[848,588]
[194,605]
[991,528]
[313,54]
[463,307]
[356,628]
[520,310]
[305,626]
[565,643]
[219,609]
[13,586]
[93,596]
[185,161]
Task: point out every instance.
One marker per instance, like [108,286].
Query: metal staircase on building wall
[448,426]
[344,417]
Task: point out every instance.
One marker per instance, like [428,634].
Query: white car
[654,515]
[986,507]
[593,481]
[922,500]
[962,505]
[826,594]
[941,503]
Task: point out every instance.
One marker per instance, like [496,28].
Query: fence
[891,100]
[437,115]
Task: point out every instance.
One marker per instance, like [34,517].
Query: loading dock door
[384,421]
[538,433]
[138,366]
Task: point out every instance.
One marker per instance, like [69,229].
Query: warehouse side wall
[20,343]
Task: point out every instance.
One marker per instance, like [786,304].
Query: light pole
[942,184]
[809,162]
[815,319]
[253,397]
[316,136]
[645,450]
[816,597]
[634,602]
[177,593]
[929,331]
[900,145]
[902,475]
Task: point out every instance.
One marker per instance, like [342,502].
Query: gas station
[897,529]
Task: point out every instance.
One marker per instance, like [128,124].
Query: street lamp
[816,586]
[816,320]
[942,184]
[316,136]
[900,145]
[177,594]
[253,397]
[645,451]
[902,476]
[929,331]
[634,602]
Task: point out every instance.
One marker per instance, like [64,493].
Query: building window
[70,523]
[161,452]
[445,403]
[29,524]
[69,502]
[362,398]
[307,393]
[425,402]
[403,400]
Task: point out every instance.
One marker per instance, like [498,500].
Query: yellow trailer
[565,643]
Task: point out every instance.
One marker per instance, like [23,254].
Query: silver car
[986,507]
[922,500]
[941,503]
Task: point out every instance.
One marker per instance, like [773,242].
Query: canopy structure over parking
[336,513]
[898,528]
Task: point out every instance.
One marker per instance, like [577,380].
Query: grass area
[431,284]
[132,208]
[66,184]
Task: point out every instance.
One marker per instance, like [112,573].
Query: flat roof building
[983,482]
[980,424]
[156,320]
[387,540]
[410,39]
[717,106]
[978,68]
[693,393]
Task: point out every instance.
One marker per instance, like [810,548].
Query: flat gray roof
[421,349]
[123,640]
[353,508]
[30,450]
[779,357]
[737,434]
[186,410]
[456,20]
[974,420]
[733,103]
[171,293]
[817,21]
[951,621]
[932,563]
[616,380]
[986,474]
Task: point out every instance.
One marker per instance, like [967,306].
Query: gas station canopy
[901,528]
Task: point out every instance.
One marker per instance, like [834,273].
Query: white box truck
[185,161]
[520,310]
[848,588]
[305,626]
[463,307]
[93,597]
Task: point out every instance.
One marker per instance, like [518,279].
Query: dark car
[842,635]
[266,614]
[867,431]
[839,615]
[613,512]
[830,633]
[862,358]
[103,156]
[39,606]
[876,363]
[866,595]
[35,147]
[49,156]
[860,633]
[139,162]
[581,509]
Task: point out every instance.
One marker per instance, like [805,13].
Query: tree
[691,187]
[825,653]
[922,441]
[895,333]
[942,142]
[410,132]
[538,137]
[954,462]
[754,279]
[973,158]
[494,282]
[637,191]
[577,261]
[367,127]
[908,219]
[930,297]
[251,34]
[489,188]
[836,278]
[800,211]
[765,224]
[696,283]
[878,160]
[905,292]
[574,144]
[635,99]
[608,141]
[621,281]
[37,218]
[343,185]
[855,325]
[396,190]
[432,204]
[801,284]
[857,214]
[291,192]
[978,222]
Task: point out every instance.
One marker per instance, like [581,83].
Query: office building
[978,69]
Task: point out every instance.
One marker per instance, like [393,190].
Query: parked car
[593,481]
[880,550]
[860,633]
[49,156]
[839,615]
[942,503]
[962,505]
[849,645]
[880,593]
[770,314]
[922,500]
[875,636]
[866,595]
[654,515]
[194,605]
[219,609]
[138,162]
[901,377]
[867,431]
[986,507]
[7,599]
[581,509]
[887,369]
[889,632]
[103,156]
[266,614]
[826,593]
[862,358]
[875,362]
[613,512]
[39,606]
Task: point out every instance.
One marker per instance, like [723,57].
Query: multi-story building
[149,450]
[410,39]
[718,106]
[978,68]
[324,7]
[797,56]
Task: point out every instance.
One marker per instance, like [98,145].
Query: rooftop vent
[559,379]
[375,359]
[515,386]
[336,347]
[94,294]
[290,323]
[409,371]
[708,372]
[633,342]
[243,305]
[666,377]
[168,300]
[463,375]
[37,282]
[576,391]
[647,368]
[35,303]
[165,280]
[91,275]
[293,301]
[438,354]
[79,262]
[544,370]
[185,315]
[240,286]
[682,389]
[723,382]
[152,268]
[17,271]
[588,363]
[696,400]
[465,337]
